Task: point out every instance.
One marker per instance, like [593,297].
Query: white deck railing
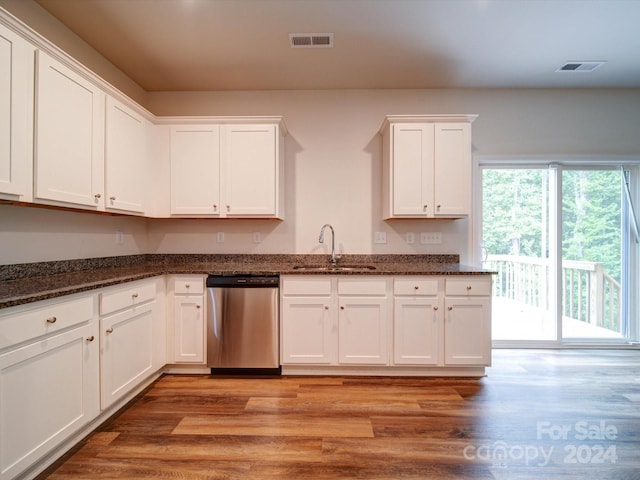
[589,294]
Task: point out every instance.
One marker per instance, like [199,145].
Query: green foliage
[515,222]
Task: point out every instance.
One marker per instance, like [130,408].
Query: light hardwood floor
[538,414]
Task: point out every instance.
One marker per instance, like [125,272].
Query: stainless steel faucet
[334,257]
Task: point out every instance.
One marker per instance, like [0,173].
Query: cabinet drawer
[193,285]
[468,286]
[362,286]
[315,286]
[128,296]
[415,286]
[44,320]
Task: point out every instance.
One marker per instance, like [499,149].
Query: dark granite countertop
[25,283]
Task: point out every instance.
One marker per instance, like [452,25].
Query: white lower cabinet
[404,321]
[307,330]
[307,321]
[467,326]
[363,321]
[49,382]
[334,321]
[188,328]
[126,338]
[417,321]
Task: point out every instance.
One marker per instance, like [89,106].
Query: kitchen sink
[334,268]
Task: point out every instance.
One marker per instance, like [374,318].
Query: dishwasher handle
[215,324]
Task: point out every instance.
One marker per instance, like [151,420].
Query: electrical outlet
[380,237]
[257,237]
[119,238]
[410,238]
[220,237]
[430,238]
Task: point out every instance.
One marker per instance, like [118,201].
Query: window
[561,238]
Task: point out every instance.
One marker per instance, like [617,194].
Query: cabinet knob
[97,196]
[52,320]
[198,306]
[91,338]
[468,287]
[449,308]
[416,287]
[435,308]
[109,330]
[326,307]
[187,286]
[425,206]
[438,206]
[228,208]
[134,295]
[113,199]
[341,307]
[215,207]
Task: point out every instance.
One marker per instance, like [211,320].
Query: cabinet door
[189,330]
[125,158]
[362,331]
[412,153]
[417,331]
[467,331]
[69,156]
[307,336]
[250,163]
[48,390]
[127,351]
[16,96]
[452,189]
[195,170]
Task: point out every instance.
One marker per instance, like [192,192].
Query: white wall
[37,235]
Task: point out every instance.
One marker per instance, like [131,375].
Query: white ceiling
[185,45]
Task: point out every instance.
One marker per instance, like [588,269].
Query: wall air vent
[580,66]
[311,40]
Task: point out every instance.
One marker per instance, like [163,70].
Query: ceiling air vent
[311,40]
[580,66]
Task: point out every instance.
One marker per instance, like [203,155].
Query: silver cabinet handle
[109,330]
[91,338]
[52,320]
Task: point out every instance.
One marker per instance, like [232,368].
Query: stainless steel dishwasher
[242,324]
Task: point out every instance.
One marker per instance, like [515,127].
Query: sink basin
[336,268]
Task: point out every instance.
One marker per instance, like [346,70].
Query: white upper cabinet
[16,101]
[426,166]
[126,158]
[251,166]
[227,170]
[195,170]
[69,136]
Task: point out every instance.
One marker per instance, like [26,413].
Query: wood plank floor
[538,414]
